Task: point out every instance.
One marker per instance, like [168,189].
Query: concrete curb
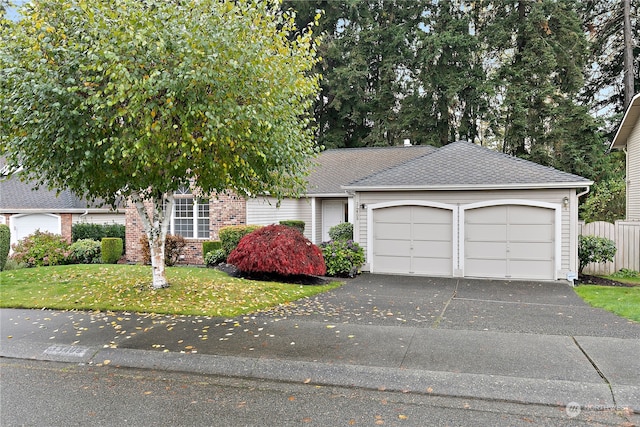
[594,396]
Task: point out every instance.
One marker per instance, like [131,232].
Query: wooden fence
[626,234]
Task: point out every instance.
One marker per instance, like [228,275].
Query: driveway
[550,308]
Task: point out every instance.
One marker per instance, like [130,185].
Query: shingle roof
[466,165]
[337,167]
[16,195]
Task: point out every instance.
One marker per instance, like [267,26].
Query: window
[190,218]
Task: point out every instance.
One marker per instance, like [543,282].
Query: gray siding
[569,226]
[633,174]
[264,211]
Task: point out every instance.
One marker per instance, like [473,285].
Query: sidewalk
[520,342]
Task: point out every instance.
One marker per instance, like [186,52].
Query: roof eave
[537,186]
[60,211]
[628,123]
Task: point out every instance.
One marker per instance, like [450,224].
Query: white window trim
[194,216]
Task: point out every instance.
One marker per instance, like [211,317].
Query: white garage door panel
[486,250]
[528,233]
[393,231]
[393,264]
[412,240]
[394,248]
[532,251]
[530,269]
[509,241]
[440,232]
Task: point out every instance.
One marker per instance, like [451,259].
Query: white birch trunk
[156,226]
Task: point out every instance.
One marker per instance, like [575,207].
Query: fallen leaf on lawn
[306,420]
[331,326]
[403,417]
[106,362]
[148,392]
[292,398]
[429,390]
[352,422]
[307,381]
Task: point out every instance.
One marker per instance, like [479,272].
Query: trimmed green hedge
[5,244]
[111,249]
[84,230]
[299,225]
[230,236]
[211,246]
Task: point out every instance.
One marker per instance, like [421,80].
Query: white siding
[107,218]
[265,211]
[633,174]
[568,260]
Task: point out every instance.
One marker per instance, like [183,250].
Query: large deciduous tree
[128,98]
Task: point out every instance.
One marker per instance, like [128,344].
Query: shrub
[342,257]
[112,249]
[85,251]
[173,248]
[299,225]
[41,249]
[342,231]
[5,244]
[230,236]
[277,249]
[625,273]
[595,249]
[83,230]
[215,257]
[211,245]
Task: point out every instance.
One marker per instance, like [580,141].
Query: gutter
[458,187]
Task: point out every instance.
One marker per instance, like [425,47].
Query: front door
[334,212]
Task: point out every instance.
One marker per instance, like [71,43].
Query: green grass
[622,301]
[193,291]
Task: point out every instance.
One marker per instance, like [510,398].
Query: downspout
[583,193]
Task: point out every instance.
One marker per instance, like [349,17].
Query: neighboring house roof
[628,122]
[336,167]
[18,196]
[464,165]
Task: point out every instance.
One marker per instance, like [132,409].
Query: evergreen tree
[605,22]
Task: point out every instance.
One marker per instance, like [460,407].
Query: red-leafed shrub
[277,249]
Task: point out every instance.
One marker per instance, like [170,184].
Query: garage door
[412,239]
[509,241]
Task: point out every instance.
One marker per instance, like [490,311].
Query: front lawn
[193,291]
[623,301]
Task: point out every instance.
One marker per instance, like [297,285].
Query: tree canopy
[128,98]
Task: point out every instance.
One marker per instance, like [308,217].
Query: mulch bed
[586,279]
[298,279]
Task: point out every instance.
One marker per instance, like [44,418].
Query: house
[467,211]
[25,209]
[628,139]
[457,211]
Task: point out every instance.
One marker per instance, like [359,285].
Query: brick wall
[66,223]
[224,210]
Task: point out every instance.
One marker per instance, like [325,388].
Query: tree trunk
[628,55]
[156,224]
